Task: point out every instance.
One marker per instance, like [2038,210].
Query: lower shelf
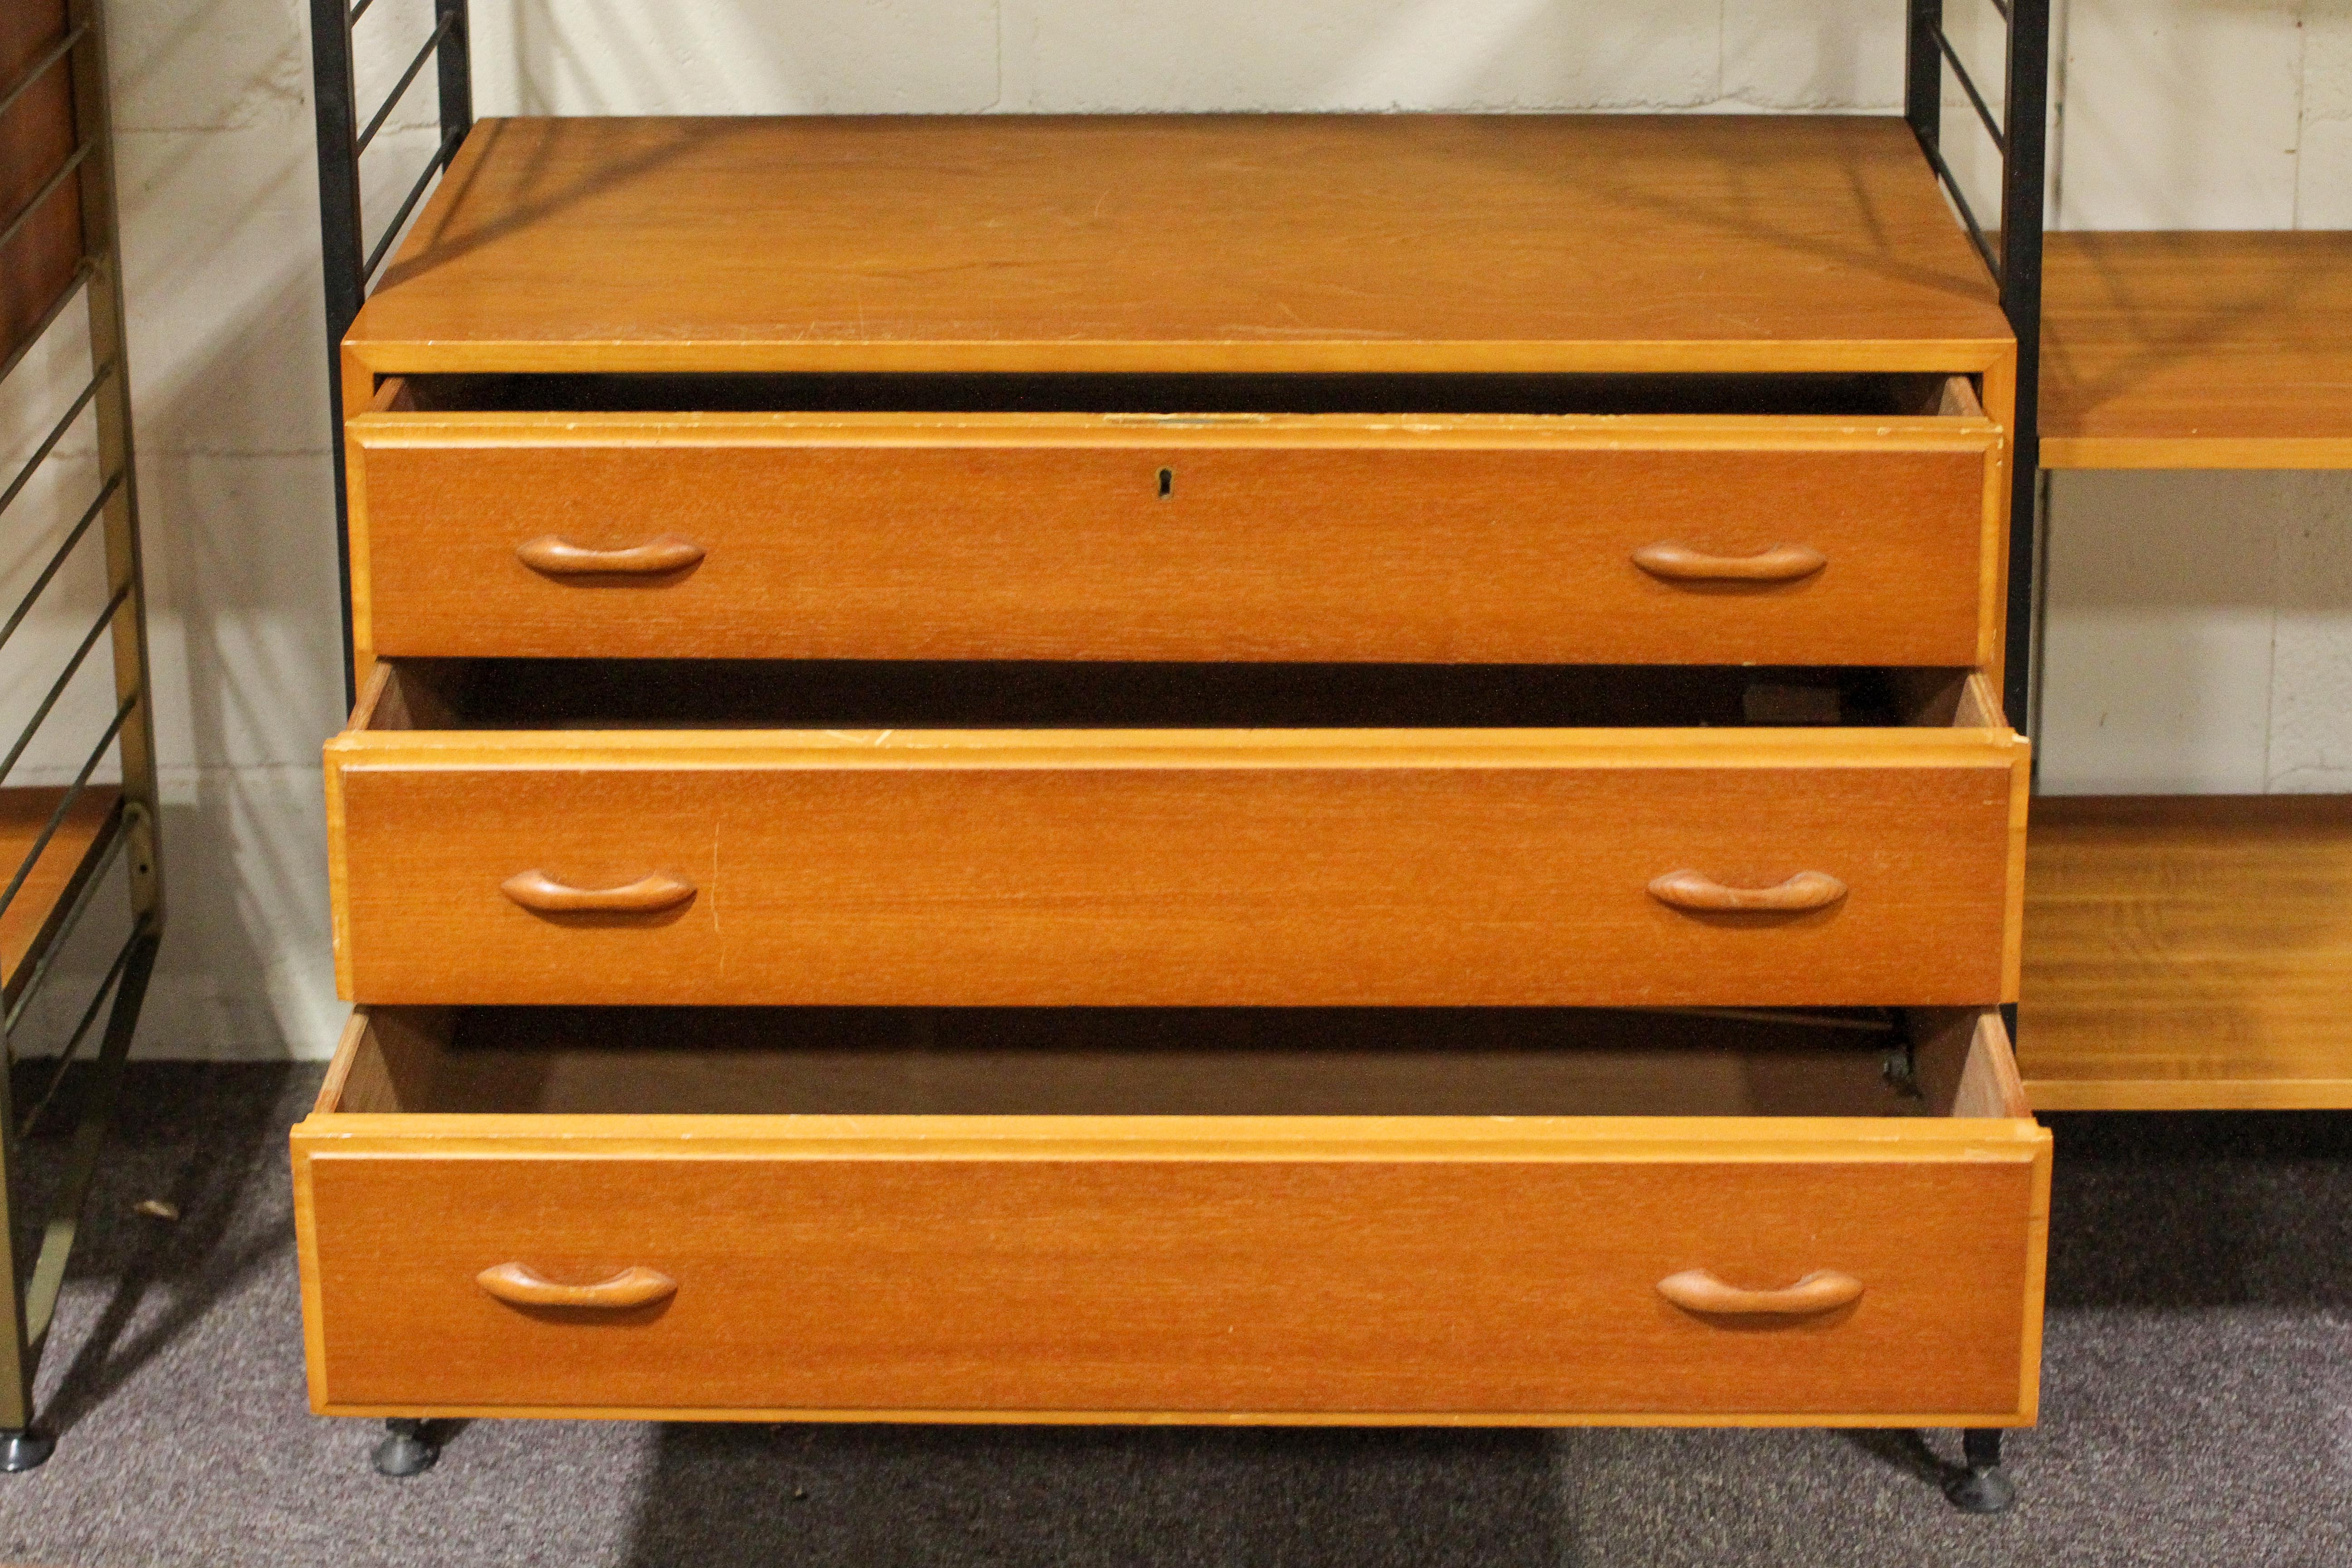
[41,905]
[2187,953]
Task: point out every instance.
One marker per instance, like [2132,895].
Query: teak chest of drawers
[1210,769]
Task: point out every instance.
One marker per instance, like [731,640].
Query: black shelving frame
[2012,251]
[352,257]
[130,830]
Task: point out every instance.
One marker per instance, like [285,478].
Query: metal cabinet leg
[405,1450]
[22,1444]
[1983,1487]
[24,1449]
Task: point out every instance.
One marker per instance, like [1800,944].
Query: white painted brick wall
[2201,632]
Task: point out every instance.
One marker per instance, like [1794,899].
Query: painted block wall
[2200,629]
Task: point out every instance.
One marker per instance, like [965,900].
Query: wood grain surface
[1190,1268]
[1061,536]
[2188,952]
[41,905]
[2196,351]
[1191,243]
[37,136]
[1263,866]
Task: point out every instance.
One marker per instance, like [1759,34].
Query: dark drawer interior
[1852,394]
[1173,1062]
[563,694]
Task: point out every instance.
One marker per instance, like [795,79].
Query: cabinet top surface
[1186,243]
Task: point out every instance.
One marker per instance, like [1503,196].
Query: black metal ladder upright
[352,256]
[74,68]
[2013,253]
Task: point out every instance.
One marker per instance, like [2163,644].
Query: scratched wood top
[1385,242]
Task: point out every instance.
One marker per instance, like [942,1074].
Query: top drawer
[1630,519]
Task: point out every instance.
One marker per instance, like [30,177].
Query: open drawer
[743,833]
[1361,1216]
[1852,520]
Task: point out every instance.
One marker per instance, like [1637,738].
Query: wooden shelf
[33,921]
[2188,952]
[2196,351]
[2191,953]
[1134,243]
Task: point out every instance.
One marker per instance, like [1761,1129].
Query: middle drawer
[558,833]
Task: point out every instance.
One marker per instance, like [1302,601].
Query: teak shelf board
[41,904]
[2196,351]
[2188,952]
[1388,243]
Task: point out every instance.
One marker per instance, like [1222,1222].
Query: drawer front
[1327,1267]
[1301,868]
[1073,537]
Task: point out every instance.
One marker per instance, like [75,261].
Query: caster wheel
[404,1451]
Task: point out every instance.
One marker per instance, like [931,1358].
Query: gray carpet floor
[2197,1409]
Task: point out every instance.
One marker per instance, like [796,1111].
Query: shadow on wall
[242,545]
[246,970]
[226,350]
[246,663]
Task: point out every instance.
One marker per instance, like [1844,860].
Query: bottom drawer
[1248,1216]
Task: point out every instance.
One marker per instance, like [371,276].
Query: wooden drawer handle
[1698,890]
[555,557]
[1680,563]
[520,1284]
[646,896]
[1823,1291]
